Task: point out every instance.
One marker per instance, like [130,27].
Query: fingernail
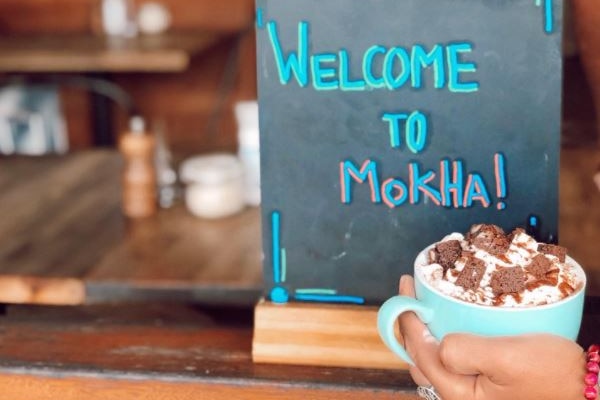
[403,279]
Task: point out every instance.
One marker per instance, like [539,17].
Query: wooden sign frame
[360,170]
[320,334]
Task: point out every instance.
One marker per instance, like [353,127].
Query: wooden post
[587,24]
[320,334]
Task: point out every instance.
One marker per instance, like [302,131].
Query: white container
[153,18]
[118,18]
[214,185]
[246,114]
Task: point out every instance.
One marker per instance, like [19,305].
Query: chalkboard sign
[386,124]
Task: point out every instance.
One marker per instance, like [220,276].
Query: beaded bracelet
[593,368]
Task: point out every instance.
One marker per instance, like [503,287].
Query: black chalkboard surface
[387,124]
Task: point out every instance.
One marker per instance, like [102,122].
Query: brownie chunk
[446,253]
[558,251]
[471,274]
[490,238]
[508,280]
[539,266]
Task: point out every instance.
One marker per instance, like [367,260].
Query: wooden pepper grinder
[139,175]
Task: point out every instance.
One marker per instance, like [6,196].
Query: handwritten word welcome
[391,68]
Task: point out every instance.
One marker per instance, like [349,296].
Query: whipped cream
[560,281]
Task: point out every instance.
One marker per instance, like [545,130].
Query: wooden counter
[161,352]
[175,352]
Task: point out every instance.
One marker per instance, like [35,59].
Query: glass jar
[214,185]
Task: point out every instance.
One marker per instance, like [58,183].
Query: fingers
[410,325]
[418,377]
[454,349]
[424,350]
[516,367]
[407,286]
[494,357]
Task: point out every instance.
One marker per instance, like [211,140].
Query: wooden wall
[184,102]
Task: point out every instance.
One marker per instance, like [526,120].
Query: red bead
[590,393]
[593,367]
[594,349]
[593,357]
[591,379]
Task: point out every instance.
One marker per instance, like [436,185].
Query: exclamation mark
[500,180]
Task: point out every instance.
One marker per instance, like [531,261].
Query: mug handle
[388,315]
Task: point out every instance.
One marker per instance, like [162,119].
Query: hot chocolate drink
[488,267]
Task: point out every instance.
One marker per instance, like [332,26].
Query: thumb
[407,286]
[424,350]
[467,354]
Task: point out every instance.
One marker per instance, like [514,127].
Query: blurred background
[101,102]
[129,186]
[106,103]
[191,96]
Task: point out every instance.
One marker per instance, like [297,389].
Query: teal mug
[444,314]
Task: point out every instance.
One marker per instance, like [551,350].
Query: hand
[469,367]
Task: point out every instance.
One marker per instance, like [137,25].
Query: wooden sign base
[320,334]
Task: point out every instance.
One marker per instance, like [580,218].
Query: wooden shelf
[87,53]
[65,241]
[321,335]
